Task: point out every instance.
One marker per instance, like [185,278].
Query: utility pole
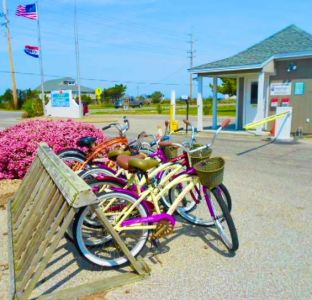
[191,55]
[77,58]
[6,24]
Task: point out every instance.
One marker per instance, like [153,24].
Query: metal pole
[187,112]
[6,24]
[215,104]
[77,57]
[40,59]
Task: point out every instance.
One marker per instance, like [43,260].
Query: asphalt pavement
[271,189]
[9,118]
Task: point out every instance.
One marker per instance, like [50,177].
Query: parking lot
[271,190]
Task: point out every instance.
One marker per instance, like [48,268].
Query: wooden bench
[38,216]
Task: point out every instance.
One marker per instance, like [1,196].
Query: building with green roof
[65,83]
[274,72]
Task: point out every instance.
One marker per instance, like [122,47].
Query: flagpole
[40,58]
[77,58]
[6,24]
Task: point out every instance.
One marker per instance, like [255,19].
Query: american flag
[28,11]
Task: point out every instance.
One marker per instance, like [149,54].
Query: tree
[156,97]
[33,104]
[114,93]
[227,87]
[7,98]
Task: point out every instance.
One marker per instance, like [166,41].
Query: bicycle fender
[113,179]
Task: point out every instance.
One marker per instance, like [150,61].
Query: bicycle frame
[154,193]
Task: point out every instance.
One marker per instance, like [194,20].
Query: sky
[140,43]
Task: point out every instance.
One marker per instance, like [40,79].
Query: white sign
[62,104]
[280,88]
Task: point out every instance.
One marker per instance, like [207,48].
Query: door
[250,100]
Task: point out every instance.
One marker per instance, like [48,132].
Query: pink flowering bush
[19,144]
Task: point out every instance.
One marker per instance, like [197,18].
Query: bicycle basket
[210,171]
[199,155]
[171,152]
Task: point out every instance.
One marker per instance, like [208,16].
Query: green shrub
[207,109]
[159,108]
[33,108]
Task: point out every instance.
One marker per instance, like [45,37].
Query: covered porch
[251,96]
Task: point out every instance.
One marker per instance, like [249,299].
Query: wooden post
[6,24]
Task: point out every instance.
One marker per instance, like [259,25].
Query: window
[254,93]
[69,82]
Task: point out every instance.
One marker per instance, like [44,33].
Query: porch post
[199,103]
[262,86]
[237,103]
[214,104]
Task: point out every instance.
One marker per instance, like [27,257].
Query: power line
[98,79]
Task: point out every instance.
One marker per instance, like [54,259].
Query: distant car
[119,103]
[136,102]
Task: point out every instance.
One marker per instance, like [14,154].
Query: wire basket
[210,171]
[171,152]
[199,155]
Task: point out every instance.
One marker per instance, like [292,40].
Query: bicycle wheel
[73,161]
[225,225]
[193,208]
[71,151]
[89,175]
[96,245]
[90,219]
[166,200]
[225,194]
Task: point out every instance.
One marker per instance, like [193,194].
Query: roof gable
[64,83]
[289,40]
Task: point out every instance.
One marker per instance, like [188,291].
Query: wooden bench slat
[24,192]
[29,202]
[40,232]
[26,230]
[49,252]
[46,243]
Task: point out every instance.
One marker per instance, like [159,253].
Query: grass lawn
[223,110]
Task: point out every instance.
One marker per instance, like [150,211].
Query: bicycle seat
[143,164]
[86,141]
[112,155]
[123,160]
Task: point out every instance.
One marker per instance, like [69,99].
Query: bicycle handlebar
[121,128]
[225,123]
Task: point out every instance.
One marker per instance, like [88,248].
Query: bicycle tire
[71,160]
[88,175]
[225,194]
[228,220]
[106,242]
[195,213]
[94,184]
[71,151]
